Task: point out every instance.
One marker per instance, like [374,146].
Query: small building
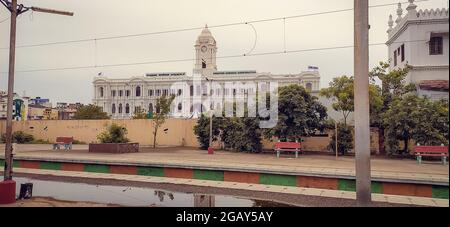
[420,39]
[41,101]
[36,112]
[20,106]
[66,111]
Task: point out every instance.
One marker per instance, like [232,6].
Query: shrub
[345,139]
[114,134]
[41,141]
[78,142]
[19,137]
[238,134]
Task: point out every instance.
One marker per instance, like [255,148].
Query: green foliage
[78,142]
[90,112]
[341,91]
[140,114]
[403,116]
[411,117]
[299,114]
[41,141]
[345,139]
[19,137]
[162,111]
[242,134]
[201,130]
[113,134]
[393,86]
[238,134]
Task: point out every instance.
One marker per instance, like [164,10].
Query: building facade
[121,98]
[420,39]
[20,106]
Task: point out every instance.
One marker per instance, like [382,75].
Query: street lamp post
[7,187]
[211,115]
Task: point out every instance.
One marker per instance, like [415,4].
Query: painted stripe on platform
[440,192]
[72,167]
[150,171]
[96,168]
[273,179]
[241,177]
[130,170]
[347,185]
[376,187]
[179,173]
[50,165]
[16,163]
[407,189]
[208,175]
[317,182]
[29,164]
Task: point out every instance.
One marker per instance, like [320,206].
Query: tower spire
[399,13]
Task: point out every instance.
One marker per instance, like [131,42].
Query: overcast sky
[103,18]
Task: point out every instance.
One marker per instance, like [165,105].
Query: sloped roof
[440,85]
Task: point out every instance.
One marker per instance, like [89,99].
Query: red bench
[288,146]
[66,141]
[431,151]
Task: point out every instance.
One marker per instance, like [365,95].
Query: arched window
[180,107]
[150,107]
[101,91]
[120,108]
[127,108]
[138,91]
[309,86]
[113,109]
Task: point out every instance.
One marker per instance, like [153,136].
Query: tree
[162,111]
[114,134]
[201,130]
[411,117]
[341,91]
[345,140]
[139,114]
[299,114]
[90,112]
[393,86]
[242,134]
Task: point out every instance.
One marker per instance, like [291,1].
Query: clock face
[204,49]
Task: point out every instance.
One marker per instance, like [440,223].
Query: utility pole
[336,137]
[362,127]
[15,10]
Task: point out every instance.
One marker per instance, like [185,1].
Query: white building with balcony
[419,39]
[121,98]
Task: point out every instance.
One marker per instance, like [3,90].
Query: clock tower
[205,53]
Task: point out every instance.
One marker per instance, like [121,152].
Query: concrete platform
[392,199]
[383,169]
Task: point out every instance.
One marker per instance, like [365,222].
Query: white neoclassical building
[120,98]
[419,38]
